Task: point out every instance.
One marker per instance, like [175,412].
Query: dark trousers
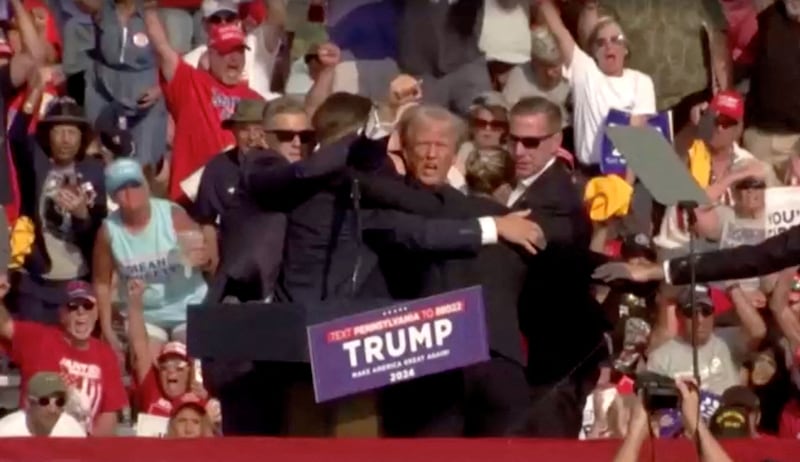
[484,400]
[556,410]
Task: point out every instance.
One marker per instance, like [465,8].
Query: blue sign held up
[611,161]
[401,342]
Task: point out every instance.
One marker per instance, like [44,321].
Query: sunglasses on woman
[175,365]
[287,136]
[494,125]
[75,305]
[44,401]
[619,39]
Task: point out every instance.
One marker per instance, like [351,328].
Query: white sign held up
[783,209]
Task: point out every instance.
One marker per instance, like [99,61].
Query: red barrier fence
[329,450]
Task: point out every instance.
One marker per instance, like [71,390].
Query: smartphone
[316,13]
[706,125]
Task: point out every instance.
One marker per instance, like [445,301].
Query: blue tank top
[154,256]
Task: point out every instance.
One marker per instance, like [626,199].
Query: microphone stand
[689,208]
[355,195]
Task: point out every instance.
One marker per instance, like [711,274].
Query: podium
[273,337]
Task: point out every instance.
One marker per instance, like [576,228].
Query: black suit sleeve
[558,210]
[774,254]
[207,206]
[417,233]
[391,192]
[267,173]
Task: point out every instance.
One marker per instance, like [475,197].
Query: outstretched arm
[168,58]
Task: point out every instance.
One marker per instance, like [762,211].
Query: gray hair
[426,113]
[282,105]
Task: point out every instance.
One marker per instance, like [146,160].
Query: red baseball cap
[188,399]
[728,103]
[177,349]
[226,38]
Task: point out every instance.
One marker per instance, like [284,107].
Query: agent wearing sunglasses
[721,352]
[89,365]
[44,415]
[288,129]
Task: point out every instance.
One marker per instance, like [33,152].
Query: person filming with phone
[640,421]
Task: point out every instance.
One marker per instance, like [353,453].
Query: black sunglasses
[703,309]
[223,18]
[529,142]
[483,124]
[287,136]
[77,304]
[60,400]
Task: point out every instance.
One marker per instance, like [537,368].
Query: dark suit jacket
[251,252]
[499,269]
[560,318]
[774,254]
[33,166]
[324,256]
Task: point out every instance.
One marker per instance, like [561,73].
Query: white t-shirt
[719,359]
[595,93]
[16,425]
[258,65]
[505,31]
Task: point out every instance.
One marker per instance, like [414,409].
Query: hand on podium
[637,272]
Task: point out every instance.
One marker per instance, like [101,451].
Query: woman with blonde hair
[489,172]
[599,79]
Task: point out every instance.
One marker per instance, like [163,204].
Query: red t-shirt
[149,397]
[92,375]
[189,4]
[789,426]
[198,103]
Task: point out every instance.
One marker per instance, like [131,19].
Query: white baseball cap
[212,7]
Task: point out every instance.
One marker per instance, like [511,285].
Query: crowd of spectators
[158,155]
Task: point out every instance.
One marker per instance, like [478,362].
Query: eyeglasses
[59,400]
[483,124]
[287,136]
[703,309]
[223,18]
[614,40]
[755,185]
[175,365]
[75,305]
[311,57]
[528,142]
